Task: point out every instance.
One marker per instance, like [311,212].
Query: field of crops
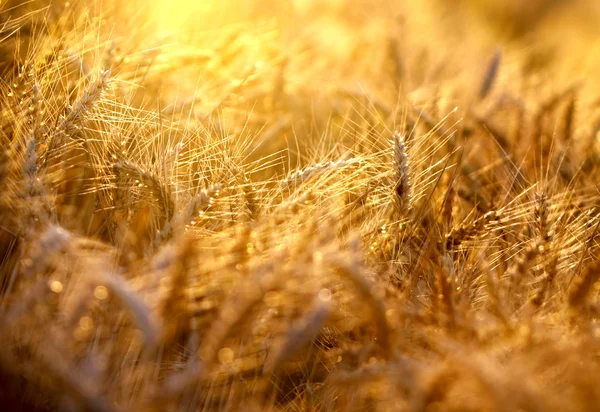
[299,205]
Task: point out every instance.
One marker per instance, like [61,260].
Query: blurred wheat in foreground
[340,205]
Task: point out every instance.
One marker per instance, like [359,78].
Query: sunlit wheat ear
[159,190]
[521,268]
[252,206]
[200,203]
[467,231]
[37,205]
[401,178]
[90,97]
[70,123]
[298,177]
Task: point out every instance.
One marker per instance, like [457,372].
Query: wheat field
[301,205]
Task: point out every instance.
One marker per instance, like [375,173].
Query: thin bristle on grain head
[35,110]
[446,213]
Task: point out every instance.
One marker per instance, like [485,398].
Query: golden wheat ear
[69,125]
[401,176]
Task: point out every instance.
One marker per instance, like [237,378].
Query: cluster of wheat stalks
[267,243]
